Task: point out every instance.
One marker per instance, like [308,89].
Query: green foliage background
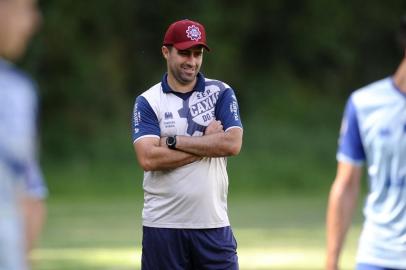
[291,63]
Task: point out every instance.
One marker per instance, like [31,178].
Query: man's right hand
[214,127]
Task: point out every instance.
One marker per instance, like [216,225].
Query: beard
[185,74]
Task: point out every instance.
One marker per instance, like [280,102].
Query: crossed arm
[154,155]
[342,202]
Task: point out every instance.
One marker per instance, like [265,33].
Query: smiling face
[19,20]
[183,66]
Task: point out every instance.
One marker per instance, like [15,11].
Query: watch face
[171,141]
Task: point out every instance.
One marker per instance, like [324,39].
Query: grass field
[277,201]
[275,232]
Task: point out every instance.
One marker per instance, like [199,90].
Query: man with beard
[184,128]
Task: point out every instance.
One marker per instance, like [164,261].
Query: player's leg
[34,207]
[214,249]
[12,242]
[12,250]
[165,249]
[364,266]
[34,215]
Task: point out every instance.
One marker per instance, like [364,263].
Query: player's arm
[345,189]
[219,144]
[152,156]
[341,205]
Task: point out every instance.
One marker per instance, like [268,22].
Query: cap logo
[193,33]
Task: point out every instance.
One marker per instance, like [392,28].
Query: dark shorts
[364,266]
[189,249]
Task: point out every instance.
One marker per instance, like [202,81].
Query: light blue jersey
[18,130]
[374,132]
[19,171]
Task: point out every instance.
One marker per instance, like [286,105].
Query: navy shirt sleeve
[227,110]
[144,121]
[350,145]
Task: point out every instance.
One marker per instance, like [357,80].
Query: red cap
[185,34]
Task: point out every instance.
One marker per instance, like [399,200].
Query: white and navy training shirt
[18,135]
[195,195]
[374,132]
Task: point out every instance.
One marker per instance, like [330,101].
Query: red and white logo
[193,33]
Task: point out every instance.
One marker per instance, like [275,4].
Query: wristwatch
[171,142]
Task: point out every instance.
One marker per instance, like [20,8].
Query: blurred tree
[93,57]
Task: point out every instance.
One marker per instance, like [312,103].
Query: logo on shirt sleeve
[136,118]
[234,110]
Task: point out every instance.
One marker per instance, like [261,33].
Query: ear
[165,52]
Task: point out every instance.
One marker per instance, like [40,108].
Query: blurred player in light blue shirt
[373,133]
[21,185]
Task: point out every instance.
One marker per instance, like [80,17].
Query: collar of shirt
[199,86]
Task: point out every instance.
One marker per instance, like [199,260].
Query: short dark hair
[402,33]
